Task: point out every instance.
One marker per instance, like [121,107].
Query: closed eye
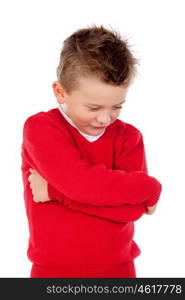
[98,108]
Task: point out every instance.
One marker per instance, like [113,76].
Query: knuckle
[30,178]
[35,199]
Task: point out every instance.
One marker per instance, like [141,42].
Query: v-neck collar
[101,138]
[90,138]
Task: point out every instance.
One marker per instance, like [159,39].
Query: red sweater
[99,189]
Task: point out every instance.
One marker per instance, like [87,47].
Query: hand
[39,187]
[151,209]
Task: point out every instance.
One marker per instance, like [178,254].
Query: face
[94,105]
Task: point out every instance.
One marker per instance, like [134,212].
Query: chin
[93,131]
[97,131]
[93,134]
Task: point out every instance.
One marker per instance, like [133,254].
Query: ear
[58,91]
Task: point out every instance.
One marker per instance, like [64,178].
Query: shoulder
[40,116]
[44,122]
[128,138]
[128,130]
[51,116]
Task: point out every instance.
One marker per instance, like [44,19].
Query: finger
[30,178]
[149,213]
[35,199]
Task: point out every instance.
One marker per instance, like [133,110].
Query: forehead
[91,89]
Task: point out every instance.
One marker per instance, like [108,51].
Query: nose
[103,120]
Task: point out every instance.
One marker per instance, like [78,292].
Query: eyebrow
[101,105]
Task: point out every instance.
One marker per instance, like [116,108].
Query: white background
[31,36]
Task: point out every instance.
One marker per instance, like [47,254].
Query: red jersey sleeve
[133,158]
[49,150]
[122,213]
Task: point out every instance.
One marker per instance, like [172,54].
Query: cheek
[116,114]
[86,117]
[82,120]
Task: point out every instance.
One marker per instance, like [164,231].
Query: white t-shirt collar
[90,138]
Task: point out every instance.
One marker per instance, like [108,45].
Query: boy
[89,180]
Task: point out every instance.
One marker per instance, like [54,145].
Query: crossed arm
[123,213]
[120,213]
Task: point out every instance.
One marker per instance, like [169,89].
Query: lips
[98,127]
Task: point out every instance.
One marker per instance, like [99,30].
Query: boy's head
[95,71]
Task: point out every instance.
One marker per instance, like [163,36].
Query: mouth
[98,127]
